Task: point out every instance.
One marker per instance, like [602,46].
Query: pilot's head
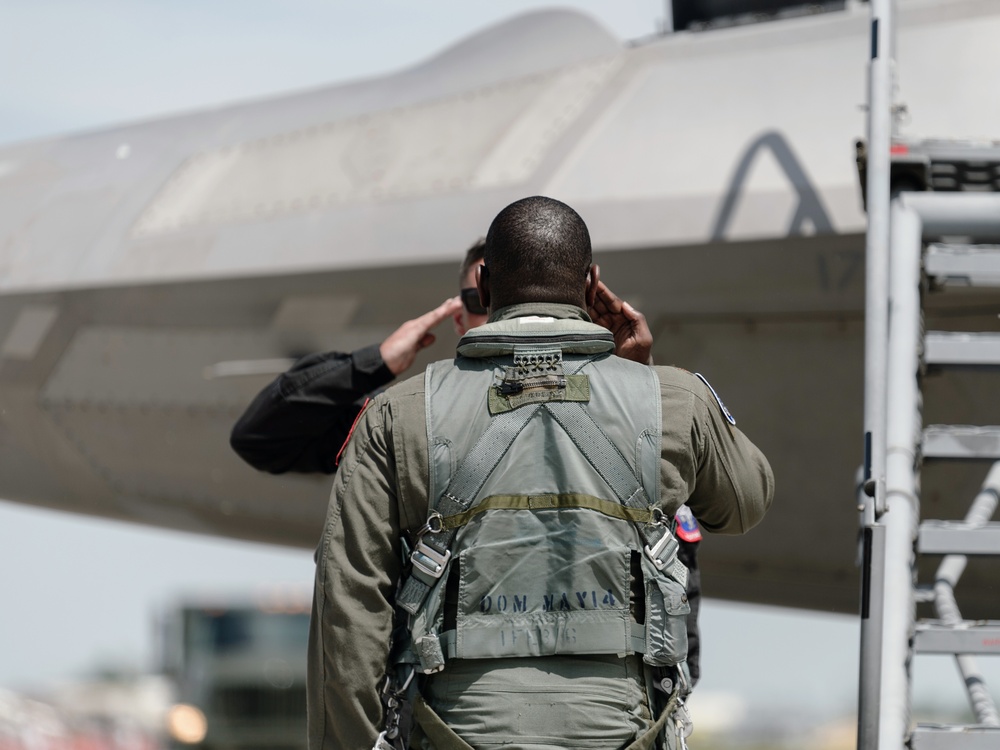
[537,250]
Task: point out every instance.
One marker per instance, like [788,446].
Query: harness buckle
[395,704]
[683,718]
[425,558]
[428,560]
[657,549]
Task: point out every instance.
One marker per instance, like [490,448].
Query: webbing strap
[549,502]
[468,479]
[608,461]
[647,741]
[600,452]
[449,641]
[449,645]
[443,736]
[483,459]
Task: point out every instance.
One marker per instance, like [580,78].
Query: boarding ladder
[919,266]
[912,253]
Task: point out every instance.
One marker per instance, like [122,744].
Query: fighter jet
[154,276]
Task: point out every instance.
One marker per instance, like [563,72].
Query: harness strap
[445,738]
[588,435]
[594,443]
[549,502]
[448,641]
[469,478]
[647,741]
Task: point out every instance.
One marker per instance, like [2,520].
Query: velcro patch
[509,395]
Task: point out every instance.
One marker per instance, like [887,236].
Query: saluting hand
[633,339]
[400,349]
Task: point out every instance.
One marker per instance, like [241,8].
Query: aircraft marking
[851,263]
[810,207]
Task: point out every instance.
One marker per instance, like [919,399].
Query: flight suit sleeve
[356,573]
[727,480]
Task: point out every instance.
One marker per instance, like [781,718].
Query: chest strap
[448,641]
[590,438]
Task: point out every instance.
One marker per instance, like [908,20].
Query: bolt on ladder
[918,218]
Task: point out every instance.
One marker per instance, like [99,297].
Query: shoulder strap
[607,459]
[431,554]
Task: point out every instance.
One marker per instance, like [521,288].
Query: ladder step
[972,637]
[963,265]
[946,348]
[961,441]
[949,737]
[958,538]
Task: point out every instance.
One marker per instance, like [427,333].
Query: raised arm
[633,339]
[299,422]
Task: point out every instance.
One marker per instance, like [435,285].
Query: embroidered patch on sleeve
[729,417]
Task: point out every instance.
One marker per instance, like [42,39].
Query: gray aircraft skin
[154,277]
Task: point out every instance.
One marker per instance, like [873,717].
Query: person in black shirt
[300,421]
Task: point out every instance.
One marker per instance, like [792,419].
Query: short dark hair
[537,250]
[473,257]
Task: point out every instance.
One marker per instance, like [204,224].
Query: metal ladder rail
[914,216]
[902,456]
[871,494]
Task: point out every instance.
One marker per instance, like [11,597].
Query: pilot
[300,421]
[497,553]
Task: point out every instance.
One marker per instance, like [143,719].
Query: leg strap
[443,736]
[648,739]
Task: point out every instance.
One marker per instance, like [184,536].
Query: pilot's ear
[483,284]
[593,279]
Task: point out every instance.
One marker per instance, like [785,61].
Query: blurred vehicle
[240,676]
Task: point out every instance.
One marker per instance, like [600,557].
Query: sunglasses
[470,300]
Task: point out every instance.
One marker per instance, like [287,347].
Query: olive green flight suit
[380,494]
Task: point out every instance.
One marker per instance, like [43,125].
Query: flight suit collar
[541,309]
[536,326]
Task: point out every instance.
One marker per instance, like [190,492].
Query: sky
[67,65]
[77,594]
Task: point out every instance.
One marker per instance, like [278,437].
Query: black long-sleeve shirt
[300,421]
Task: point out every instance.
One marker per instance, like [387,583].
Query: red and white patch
[364,408]
[687,526]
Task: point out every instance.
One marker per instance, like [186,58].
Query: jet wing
[156,275]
